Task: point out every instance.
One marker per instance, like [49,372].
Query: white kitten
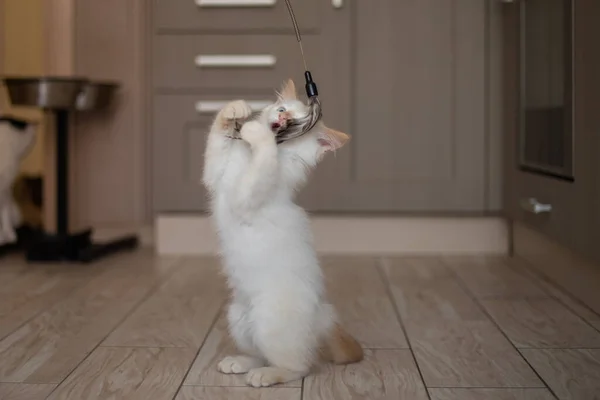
[16,139]
[279,316]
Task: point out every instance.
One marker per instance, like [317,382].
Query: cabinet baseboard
[194,235]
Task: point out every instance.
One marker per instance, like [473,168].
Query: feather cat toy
[299,126]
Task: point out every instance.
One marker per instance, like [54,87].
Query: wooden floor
[139,327]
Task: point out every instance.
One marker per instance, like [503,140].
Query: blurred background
[458,228]
[463,113]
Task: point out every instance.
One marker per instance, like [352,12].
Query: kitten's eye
[281,109]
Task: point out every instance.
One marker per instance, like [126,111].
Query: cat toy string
[297,30]
[299,126]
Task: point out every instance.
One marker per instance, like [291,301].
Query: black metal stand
[63,245]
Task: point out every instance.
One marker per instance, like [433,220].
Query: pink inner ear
[288,90]
[324,142]
[328,142]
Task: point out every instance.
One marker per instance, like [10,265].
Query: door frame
[64,51]
[1,38]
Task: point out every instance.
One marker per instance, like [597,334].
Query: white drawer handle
[210,107]
[216,61]
[235,3]
[535,207]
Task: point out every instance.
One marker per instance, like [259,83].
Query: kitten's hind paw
[238,364]
[269,376]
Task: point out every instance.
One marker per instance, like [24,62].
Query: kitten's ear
[288,91]
[331,140]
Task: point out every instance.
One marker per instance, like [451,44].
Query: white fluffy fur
[14,145]
[278,314]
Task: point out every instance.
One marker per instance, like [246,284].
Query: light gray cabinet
[405,78]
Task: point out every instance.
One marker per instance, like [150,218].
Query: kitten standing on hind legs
[279,316]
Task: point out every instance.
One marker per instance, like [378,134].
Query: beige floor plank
[534,323]
[383,374]
[37,290]
[180,313]
[127,373]
[572,374]
[490,394]
[218,345]
[23,391]
[419,270]
[48,347]
[576,274]
[557,292]
[156,312]
[356,289]
[12,267]
[238,393]
[424,289]
[467,354]
[492,277]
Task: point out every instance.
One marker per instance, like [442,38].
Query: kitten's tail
[340,347]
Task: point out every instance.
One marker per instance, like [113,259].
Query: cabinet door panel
[178,150]
[419,116]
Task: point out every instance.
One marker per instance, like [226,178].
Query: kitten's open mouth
[275,126]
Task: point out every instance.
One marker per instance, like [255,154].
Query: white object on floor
[15,143]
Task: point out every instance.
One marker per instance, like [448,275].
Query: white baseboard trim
[194,235]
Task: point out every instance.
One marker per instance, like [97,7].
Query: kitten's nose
[284,116]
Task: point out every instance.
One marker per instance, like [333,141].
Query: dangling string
[297,30]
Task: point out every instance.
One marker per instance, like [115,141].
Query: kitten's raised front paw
[237,110]
[269,376]
[254,132]
[238,364]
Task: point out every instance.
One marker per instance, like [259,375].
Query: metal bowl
[44,92]
[95,95]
